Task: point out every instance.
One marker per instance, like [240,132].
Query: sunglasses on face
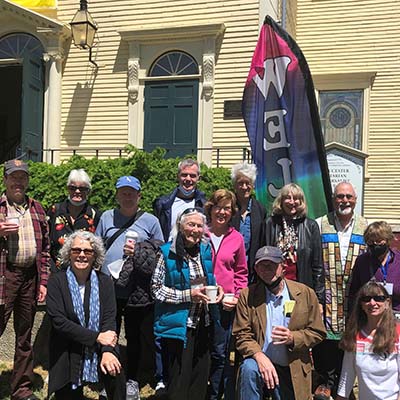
[377,298]
[77,251]
[341,196]
[82,189]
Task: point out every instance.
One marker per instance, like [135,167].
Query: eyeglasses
[341,196]
[377,298]
[77,251]
[82,189]
[219,208]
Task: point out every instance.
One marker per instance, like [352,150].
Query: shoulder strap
[127,224]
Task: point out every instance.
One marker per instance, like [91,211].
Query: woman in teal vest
[183,314]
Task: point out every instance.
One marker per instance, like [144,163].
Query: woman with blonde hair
[371,345]
[298,237]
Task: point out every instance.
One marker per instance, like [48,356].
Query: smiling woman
[371,344]
[82,310]
[182,316]
[298,237]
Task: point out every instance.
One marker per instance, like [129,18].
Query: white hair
[79,175]
[245,169]
[183,216]
[344,183]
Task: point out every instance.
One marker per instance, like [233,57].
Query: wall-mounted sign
[347,164]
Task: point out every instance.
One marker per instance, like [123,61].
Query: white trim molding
[145,46]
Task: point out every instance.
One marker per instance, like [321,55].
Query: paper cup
[229,296]
[211,292]
[13,220]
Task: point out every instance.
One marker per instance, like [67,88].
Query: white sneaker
[160,386]
[132,390]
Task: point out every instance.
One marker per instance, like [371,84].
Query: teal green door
[32,107]
[171,112]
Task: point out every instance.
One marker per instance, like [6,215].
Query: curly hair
[216,197]
[95,241]
[385,335]
[297,192]
[244,169]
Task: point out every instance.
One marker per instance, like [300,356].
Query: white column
[53,107]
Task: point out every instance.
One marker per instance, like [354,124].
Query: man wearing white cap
[113,226]
[277,322]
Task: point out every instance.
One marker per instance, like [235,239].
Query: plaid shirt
[167,294]
[41,231]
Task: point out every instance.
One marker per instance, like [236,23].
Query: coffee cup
[229,296]
[13,220]
[212,292]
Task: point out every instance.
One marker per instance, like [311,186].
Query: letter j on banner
[282,121]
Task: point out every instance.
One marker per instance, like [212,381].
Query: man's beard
[345,211]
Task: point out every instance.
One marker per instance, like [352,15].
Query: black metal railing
[219,155]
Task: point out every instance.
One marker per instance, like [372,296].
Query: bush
[156,173]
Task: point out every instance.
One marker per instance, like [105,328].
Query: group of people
[228,302]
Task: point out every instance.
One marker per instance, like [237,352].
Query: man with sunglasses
[72,214]
[342,241]
[24,266]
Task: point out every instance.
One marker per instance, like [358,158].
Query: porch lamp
[83,29]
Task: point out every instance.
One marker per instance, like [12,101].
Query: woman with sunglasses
[371,345]
[82,310]
[72,214]
[298,237]
[381,262]
[183,316]
[230,269]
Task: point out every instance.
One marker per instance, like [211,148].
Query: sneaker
[132,390]
[322,392]
[160,386]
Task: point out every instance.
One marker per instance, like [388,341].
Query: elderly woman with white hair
[250,218]
[82,310]
[183,317]
[72,214]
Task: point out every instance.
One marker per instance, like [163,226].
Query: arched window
[15,45]
[341,117]
[174,63]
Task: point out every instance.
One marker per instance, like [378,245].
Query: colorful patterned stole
[336,280]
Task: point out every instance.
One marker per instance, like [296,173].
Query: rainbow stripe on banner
[282,121]
[36,3]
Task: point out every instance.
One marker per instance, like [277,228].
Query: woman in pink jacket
[230,270]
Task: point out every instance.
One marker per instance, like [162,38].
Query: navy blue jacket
[162,209]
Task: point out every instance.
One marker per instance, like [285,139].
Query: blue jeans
[222,372]
[251,385]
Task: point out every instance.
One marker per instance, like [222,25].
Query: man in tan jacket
[277,322]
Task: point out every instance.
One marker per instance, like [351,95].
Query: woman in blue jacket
[182,314]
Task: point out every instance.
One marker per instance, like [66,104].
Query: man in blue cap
[113,226]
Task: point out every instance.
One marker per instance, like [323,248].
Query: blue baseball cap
[128,181]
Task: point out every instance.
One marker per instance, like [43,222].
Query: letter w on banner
[282,121]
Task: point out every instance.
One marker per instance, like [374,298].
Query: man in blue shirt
[277,322]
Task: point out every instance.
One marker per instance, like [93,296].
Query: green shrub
[156,173]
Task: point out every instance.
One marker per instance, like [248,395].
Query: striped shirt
[165,294]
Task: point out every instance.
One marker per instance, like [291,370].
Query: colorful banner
[282,121]
[36,3]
